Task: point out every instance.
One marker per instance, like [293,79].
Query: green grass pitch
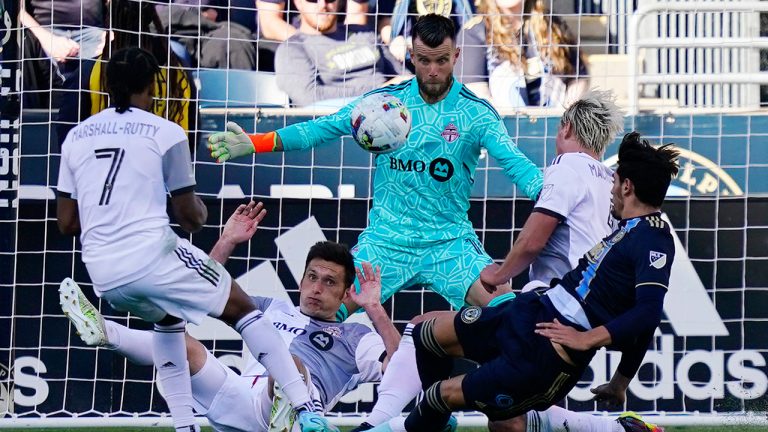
[464,429]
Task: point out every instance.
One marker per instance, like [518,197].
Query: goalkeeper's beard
[434,90]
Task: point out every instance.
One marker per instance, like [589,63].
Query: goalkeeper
[418,221]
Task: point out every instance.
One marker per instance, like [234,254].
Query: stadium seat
[219,88]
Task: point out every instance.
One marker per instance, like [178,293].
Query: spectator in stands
[516,53]
[57,34]
[133,23]
[213,41]
[273,24]
[325,60]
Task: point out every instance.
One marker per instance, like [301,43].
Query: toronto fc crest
[450,133]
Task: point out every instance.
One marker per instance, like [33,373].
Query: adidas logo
[168,364]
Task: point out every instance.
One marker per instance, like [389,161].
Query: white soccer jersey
[119,168]
[339,356]
[577,191]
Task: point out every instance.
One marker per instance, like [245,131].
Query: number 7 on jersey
[116,154]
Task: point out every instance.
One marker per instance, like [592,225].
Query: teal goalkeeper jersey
[421,190]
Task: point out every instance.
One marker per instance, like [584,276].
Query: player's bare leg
[481,294]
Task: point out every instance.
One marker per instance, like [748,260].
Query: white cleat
[83,315]
[282,416]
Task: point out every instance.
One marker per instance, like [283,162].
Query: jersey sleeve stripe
[549,212]
[180,191]
[471,96]
[390,88]
[652,283]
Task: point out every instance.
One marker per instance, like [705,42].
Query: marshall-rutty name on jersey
[115,128]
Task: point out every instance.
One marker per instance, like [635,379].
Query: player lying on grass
[533,350]
[333,357]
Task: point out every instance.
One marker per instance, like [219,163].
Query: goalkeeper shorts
[448,268]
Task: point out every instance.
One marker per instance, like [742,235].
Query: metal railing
[716,62]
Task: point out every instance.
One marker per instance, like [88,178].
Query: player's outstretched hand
[232,143]
[241,226]
[564,335]
[609,396]
[313,422]
[370,286]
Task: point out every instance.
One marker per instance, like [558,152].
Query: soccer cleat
[363,427]
[282,416]
[313,422]
[452,425]
[83,315]
[632,422]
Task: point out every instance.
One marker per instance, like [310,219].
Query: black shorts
[519,370]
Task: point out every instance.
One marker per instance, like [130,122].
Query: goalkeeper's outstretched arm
[235,143]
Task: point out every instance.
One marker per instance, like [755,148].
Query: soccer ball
[380,123]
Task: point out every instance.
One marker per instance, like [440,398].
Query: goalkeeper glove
[313,422]
[235,143]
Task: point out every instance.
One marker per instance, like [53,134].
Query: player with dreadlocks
[116,169]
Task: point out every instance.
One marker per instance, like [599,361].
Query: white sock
[397,424]
[170,358]
[135,345]
[268,348]
[207,382]
[400,383]
[556,419]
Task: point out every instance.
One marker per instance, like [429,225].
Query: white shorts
[185,283]
[234,403]
[532,285]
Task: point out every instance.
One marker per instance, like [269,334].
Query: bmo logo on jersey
[298,331]
[321,340]
[440,169]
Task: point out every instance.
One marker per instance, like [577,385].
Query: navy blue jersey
[638,254]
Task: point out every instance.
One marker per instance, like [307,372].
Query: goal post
[708,361]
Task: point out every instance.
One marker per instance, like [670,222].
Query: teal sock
[342,314]
[500,299]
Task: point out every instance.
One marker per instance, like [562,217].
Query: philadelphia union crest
[471,314]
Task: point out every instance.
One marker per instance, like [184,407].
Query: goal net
[707,363]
